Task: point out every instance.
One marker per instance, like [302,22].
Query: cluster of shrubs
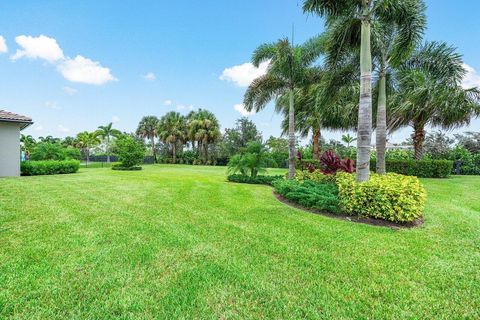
[241,178]
[51,158]
[419,168]
[329,185]
[46,167]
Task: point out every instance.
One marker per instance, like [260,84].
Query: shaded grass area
[175,241]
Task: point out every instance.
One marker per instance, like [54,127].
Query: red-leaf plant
[331,163]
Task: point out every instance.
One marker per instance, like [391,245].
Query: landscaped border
[357,219]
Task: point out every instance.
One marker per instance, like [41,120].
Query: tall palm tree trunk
[174,151]
[316,143]
[381,130]
[108,149]
[418,138]
[365,108]
[154,152]
[291,137]
[205,147]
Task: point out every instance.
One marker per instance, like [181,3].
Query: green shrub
[419,168]
[130,151]
[320,196]
[35,168]
[120,167]
[391,197]
[241,178]
[72,153]
[315,176]
[48,151]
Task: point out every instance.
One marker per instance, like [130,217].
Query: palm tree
[28,142]
[349,29]
[87,140]
[204,128]
[313,114]
[348,139]
[147,129]
[172,129]
[393,43]
[106,133]
[288,69]
[430,93]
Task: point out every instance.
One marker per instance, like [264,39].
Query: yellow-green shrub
[392,196]
[315,176]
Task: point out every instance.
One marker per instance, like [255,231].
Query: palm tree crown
[288,69]
[430,92]
[172,129]
[147,129]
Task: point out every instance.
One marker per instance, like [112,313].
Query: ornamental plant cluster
[392,197]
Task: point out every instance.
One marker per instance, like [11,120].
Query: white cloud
[115,119]
[242,75]
[471,79]
[3,45]
[52,105]
[167,102]
[150,76]
[84,70]
[70,91]
[38,128]
[41,47]
[241,109]
[62,129]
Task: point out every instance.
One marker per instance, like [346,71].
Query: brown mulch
[357,219]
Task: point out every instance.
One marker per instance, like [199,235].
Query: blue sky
[103,61]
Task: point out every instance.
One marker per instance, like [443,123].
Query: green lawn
[180,242]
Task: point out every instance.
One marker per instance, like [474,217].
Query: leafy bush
[419,168]
[241,178]
[35,168]
[72,153]
[320,196]
[391,197]
[120,167]
[48,151]
[130,151]
[331,163]
[315,176]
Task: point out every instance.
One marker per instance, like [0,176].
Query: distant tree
[172,129]
[469,140]
[237,138]
[147,129]
[438,145]
[130,151]
[69,141]
[49,139]
[87,140]
[106,133]
[204,128]
[47,151]
[28,142]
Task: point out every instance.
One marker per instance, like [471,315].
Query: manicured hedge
[122,168]
[320,196]
[35,168]
[240,178]
[419,168]
[391,197]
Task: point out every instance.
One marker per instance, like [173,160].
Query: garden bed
[357,219]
